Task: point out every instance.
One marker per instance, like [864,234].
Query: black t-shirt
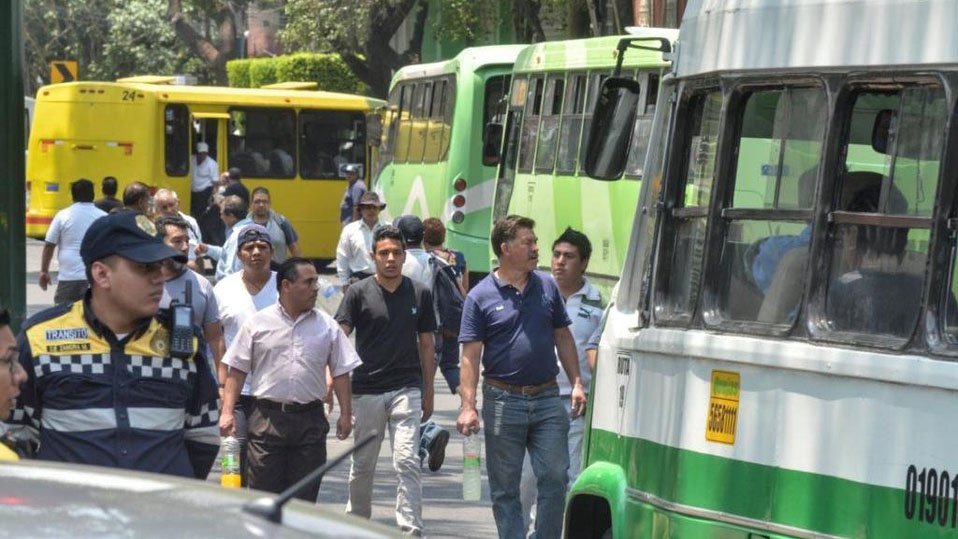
[237,189]
[387,328]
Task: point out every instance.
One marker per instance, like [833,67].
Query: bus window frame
[405,107]
[535,91]
[738,93]
[435,120]
[295,139]
[186,142]
[549,102]
[594,82]
[354,117]
[573,115]
[418,113]
[673,209]
[927,334]
[643,76]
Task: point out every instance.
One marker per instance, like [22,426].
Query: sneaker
[409,530]
[437,453]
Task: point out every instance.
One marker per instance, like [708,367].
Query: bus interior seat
[744,297]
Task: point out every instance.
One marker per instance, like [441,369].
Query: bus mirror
[611,131]
[881,130]
[374,129]
[491,139]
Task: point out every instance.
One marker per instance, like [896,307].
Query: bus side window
[570,131]
[881,230]
[642,128]
[419,121]
[682,245]
[329,141]
[549,124]
[434,132]
[390,125]
[530,129]
[404,122]
[765,254]
[595,84]
[266,148]
[176,140]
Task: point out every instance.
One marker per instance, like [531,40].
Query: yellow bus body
[97,129]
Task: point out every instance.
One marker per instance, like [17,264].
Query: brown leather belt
[288,406]
[528,391]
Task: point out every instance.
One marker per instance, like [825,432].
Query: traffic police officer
[103,386]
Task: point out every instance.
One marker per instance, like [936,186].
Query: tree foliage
[109,39]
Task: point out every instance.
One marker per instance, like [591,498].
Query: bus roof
[470,59]
[216,95]
[588,53]
[740,35]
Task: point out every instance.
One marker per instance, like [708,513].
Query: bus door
[207,127]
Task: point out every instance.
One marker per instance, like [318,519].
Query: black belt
[289,406]
[528,391]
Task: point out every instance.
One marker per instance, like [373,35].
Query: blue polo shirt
[516,329]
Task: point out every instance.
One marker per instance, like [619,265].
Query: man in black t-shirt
[393,388]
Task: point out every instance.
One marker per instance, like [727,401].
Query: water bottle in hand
[230,463]
[471,460]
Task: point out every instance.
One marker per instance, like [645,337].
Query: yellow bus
[294,142]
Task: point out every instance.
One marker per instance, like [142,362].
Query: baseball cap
[202,147]
[411,228]
[251,233]
[351,168]
[235,173]
[370,198]
[128,234]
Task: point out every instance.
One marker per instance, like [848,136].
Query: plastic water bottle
[230,463]
[327,289]
[471,479]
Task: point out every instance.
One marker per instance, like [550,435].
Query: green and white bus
[779,359]
[554,88]
[433,161]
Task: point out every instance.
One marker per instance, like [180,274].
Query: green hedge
[329,71]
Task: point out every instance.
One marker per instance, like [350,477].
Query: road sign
[63,71]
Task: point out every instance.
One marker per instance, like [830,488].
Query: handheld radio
[181,340]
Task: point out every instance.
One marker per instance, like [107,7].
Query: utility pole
[12,175]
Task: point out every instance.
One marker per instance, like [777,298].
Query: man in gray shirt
[174,233]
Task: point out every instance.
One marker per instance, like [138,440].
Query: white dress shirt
[353,253]
[66,232]
[286,358]
[205,174]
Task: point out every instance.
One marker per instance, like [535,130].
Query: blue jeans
[513,425]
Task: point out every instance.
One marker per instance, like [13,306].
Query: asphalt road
[445,514]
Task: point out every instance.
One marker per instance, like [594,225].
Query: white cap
[202,147]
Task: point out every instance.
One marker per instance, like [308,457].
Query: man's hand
[578,401]
[44,280]
[201,249]
[344,425]
[227,423]
[428,398]
[468,421]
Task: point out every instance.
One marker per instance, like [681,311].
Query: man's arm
[213,332]
[342,259]
[427,359]
[568,357]
[294,249]
[344,394]
[590,356]
[45,257]
[347,329]
[234,383]
[468,421]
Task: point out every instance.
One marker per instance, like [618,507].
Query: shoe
[437,453]
[408,530]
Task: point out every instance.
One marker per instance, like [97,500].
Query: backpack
[447,298]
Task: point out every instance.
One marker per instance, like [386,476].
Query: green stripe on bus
[813,502]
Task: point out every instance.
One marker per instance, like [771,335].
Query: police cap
[128,234]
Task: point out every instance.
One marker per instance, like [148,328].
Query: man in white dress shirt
[205,173]
[354,254]
[285,350]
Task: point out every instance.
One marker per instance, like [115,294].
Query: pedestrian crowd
[145,361]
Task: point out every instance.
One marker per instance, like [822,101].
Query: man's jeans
[514,424]
[400,411]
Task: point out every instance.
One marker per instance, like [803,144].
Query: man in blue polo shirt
[515,320]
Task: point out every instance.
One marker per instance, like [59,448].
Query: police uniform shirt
[94,399]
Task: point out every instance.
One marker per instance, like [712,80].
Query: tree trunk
[214,57]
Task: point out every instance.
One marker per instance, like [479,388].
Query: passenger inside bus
[878,281]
